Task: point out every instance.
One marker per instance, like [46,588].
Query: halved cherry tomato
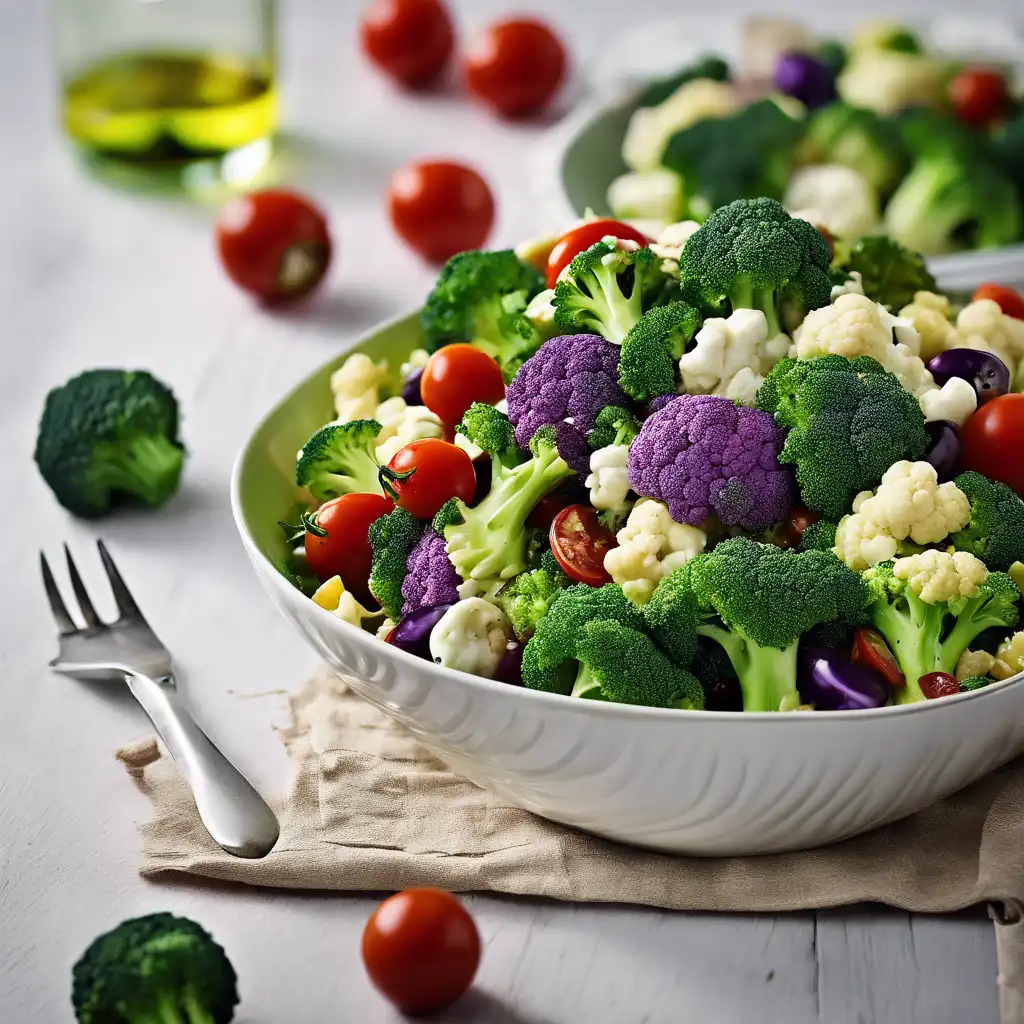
[979,96]
[579,542]
[938,684]
[871,651]
[421,950]
[337,543]
[274,244]
[993,440]
[1010,301]
[515,66]
[573,242]
[440,208]
[425,474]
[410,40]
[791,531]
[455,377]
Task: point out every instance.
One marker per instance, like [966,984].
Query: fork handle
[236,816]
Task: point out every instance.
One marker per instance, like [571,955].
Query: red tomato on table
[581,238]
[409,40]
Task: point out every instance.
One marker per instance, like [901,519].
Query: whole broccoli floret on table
[755,600]
[651,350]
[340,459]
[700,454]
[848,421]
[995,533]
[393,538]
[430,577]
[752,254]
[592,644]
[107,436]
[606,290]
[574,375]
[890,274]
[158,969]
[480,298]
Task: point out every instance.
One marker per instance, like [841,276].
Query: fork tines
[126,605]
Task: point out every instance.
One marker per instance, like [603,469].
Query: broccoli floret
[849,420]
[1008,149]
[613,425]
[857,138]
[747,154]
[752,254]
[158,969]
[890,274]
[340,459]
[819,536]
[480,298]
[392,537]
[651,350]
[974,683]
[755,600]
[528,597]
[108,436]
[592,644]
[838,633]
[489,541]
[661,89]
[492,430]
[832,54]
[995,533]
[931,637]
[606,291]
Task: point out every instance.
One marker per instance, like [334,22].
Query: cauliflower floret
[401,424]
[1011,653]
[609,478]
[418,359]
[888,81]
[356,385]
[384,629]
[981,663]
[333,597]
[939,576]
[732,356]
[929,313]
[650,128]
[853,285]
[540,310]
[651,545]
[670,244]
[983,325]
[472,636]
[834,197]
[909,503]
[656,196]
[955,401]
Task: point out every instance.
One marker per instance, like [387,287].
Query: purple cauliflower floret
[574,375]
[701,454]
[658,403]
[430,577]
[571,443]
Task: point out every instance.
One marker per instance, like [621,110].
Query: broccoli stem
[930,206]
[972,621]
[915,636]
[587,685]
[611,307]
[745,296]
[147,467]
[767,675]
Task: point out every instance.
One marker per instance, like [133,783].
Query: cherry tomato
[979,96]
[409,40]
[871,651]
[938,684]
[425,474]
[515,66]
[791,532]
[545,511]
[1011,302]
[421,950]
[579,543]
[993,440]
[440,208]
[274,244]
[573,242]
[337,542]
[455,377]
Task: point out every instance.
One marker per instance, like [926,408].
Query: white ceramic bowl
[709,783]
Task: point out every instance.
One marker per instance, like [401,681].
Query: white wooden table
[89,278]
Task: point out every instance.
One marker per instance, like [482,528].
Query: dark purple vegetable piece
[412,634]
[510,668]
[831,682]
[724,694]
[411,388]
[985,372]
[945,449]
[805,78]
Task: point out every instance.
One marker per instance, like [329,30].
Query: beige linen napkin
[372,809]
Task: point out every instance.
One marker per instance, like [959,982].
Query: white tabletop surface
[90,277]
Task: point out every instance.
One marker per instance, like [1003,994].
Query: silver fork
[235,815]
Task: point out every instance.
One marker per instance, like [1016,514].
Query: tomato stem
[390,477]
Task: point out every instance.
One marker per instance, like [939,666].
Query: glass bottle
[178,92]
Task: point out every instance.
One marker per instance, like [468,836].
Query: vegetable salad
[726,469]
[873,134]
